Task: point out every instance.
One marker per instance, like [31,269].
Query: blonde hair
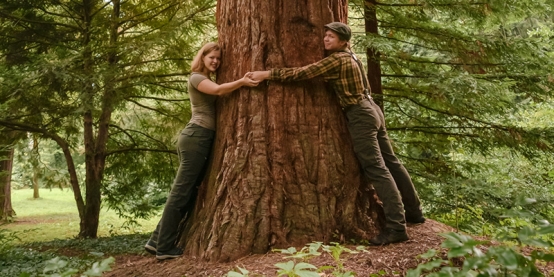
[198,63]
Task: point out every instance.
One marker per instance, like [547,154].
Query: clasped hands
[253,78]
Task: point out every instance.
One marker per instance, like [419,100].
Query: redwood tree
[283,171]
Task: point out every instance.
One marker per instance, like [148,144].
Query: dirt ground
[390,260]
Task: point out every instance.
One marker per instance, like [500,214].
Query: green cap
[340,28]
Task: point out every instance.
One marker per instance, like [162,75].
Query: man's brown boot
[389,236]
[415,219]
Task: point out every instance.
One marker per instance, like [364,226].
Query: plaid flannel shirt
[339,69]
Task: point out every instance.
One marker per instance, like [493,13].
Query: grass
[54,216]
[45,228]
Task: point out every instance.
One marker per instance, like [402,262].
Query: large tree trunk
[6,163]
[283,170]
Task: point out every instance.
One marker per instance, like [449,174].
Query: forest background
[466,89]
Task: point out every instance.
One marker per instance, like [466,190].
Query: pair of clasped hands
[252,79]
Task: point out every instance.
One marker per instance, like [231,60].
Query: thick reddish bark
[283,170]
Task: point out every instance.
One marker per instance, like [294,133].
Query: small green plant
[243,273]
[293,269]
[305,253]
[378,274]
[336,250]
[304,269]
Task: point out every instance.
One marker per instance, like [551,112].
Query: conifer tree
[456,79]
[73,70]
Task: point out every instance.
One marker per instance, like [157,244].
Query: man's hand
[259,75]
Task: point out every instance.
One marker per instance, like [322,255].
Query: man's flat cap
[340,28]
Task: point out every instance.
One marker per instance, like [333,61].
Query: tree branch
[405,76]
[133,149]
[21,19]
[421,5]
[160,99]
[150,108]
[126,78]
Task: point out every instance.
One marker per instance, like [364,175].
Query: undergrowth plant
[6,241]
[521,249]
[45,258]
[58,267]
[299,266]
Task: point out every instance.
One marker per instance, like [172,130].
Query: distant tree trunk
[373,64]
[283,170]
[73,181]
[36,194]
[6,165]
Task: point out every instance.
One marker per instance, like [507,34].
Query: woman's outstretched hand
[248,81]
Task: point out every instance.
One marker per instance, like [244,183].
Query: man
[366,125]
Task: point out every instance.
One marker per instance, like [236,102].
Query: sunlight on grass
[54,216]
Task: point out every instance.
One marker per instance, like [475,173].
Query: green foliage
[243,273]
[46,163]
[124,66]
[496,261]
[467,89]
[293,269]
[336,250]
[114,245]
[34,263]
[305,253]
[43,258]
[7,238]
[467,93]
[507,259]
[57,267]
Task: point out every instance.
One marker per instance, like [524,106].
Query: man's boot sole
[166,257]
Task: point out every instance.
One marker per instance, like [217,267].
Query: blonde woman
[193,146]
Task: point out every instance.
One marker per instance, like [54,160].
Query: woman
[193,146]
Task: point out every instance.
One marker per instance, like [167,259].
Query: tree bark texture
[283,171]
[6,164]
